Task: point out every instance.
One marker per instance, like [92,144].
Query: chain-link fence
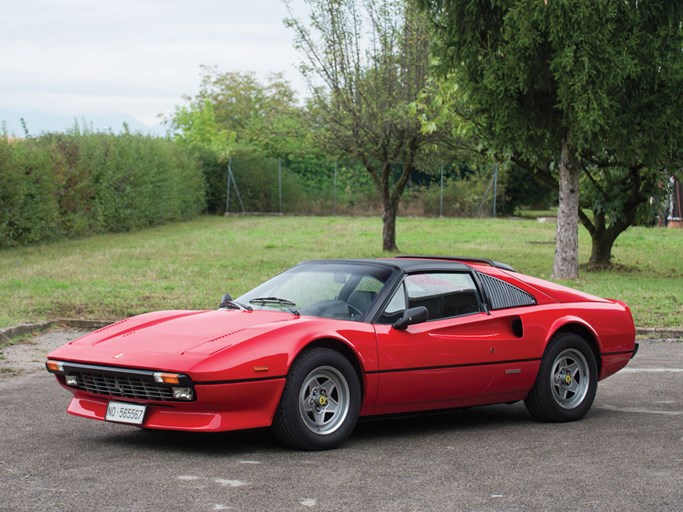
[254,185]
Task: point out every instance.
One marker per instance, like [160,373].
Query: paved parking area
[627,454]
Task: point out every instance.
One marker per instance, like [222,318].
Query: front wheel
[320,402]
[566,382]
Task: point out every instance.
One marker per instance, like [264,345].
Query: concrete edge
[9,333]
[16,331]
[659,332]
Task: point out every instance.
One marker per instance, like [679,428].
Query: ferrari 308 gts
[326,342]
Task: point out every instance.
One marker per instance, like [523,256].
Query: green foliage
[28,202]
[600,79]
[258,178]
[236,109]
[373,58]
[197,127]
[71,185]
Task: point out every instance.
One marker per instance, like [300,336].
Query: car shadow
[435,422]
[373,429]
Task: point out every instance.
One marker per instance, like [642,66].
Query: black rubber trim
[148,375]
[237,381]
[464,259]
[447,366]
[621,352]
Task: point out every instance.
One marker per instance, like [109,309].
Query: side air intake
[503,295]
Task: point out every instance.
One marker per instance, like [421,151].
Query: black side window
[444,294]
[503,295]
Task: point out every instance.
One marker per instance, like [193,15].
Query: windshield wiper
[231,304]
[276,301]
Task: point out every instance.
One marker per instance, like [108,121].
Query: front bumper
[217,408]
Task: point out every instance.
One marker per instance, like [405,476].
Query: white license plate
[122,412]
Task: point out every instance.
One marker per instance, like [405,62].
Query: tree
[367,62]
[550,83]
[236,109]
[618,197]
[197,126]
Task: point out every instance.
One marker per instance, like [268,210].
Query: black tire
[566,382]
[320,402]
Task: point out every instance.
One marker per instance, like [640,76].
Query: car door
[447,359]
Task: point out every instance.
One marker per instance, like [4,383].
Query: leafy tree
[368,62]
[246,112]
[618,197]
[566,85]
[198,127]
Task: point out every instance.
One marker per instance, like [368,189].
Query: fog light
[182,393]
[71,380]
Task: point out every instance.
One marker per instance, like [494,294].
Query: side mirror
[225,301]
[411,316]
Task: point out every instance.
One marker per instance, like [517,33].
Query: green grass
[190,265]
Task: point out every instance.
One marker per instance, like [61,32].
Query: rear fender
[576,325]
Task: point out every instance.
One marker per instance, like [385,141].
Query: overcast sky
[135,57]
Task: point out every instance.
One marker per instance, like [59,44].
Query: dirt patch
[28,355]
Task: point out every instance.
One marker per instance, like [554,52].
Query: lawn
[190,265]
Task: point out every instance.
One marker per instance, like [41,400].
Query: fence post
[495,187]
[441,194]
[334,190]
[279,181]
[227,197]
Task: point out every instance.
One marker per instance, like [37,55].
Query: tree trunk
[603,238]
[389,226]
[566,264]
[601,250]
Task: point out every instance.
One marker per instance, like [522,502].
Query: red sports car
[325,342]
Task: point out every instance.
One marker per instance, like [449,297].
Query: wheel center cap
[322,400]
[568,379]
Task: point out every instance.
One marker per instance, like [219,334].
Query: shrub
[69,185]
[28,207]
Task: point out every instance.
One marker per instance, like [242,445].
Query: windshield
[330,290]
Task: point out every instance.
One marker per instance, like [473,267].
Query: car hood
[165,335]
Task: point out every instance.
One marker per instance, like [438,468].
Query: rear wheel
[320,402]
[566,382]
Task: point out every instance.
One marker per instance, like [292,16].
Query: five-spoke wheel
[320,402]
[566,382]
[324,400]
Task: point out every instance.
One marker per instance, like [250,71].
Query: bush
[69,185]
[470,197]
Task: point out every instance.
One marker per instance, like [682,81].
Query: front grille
[117,382]
[123,387]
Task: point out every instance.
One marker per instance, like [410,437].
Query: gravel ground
[28,355]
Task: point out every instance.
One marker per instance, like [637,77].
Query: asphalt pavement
[627,454]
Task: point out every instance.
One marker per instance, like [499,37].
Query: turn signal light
[166,378]
[54,366]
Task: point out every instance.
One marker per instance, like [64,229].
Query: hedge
[71,185]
